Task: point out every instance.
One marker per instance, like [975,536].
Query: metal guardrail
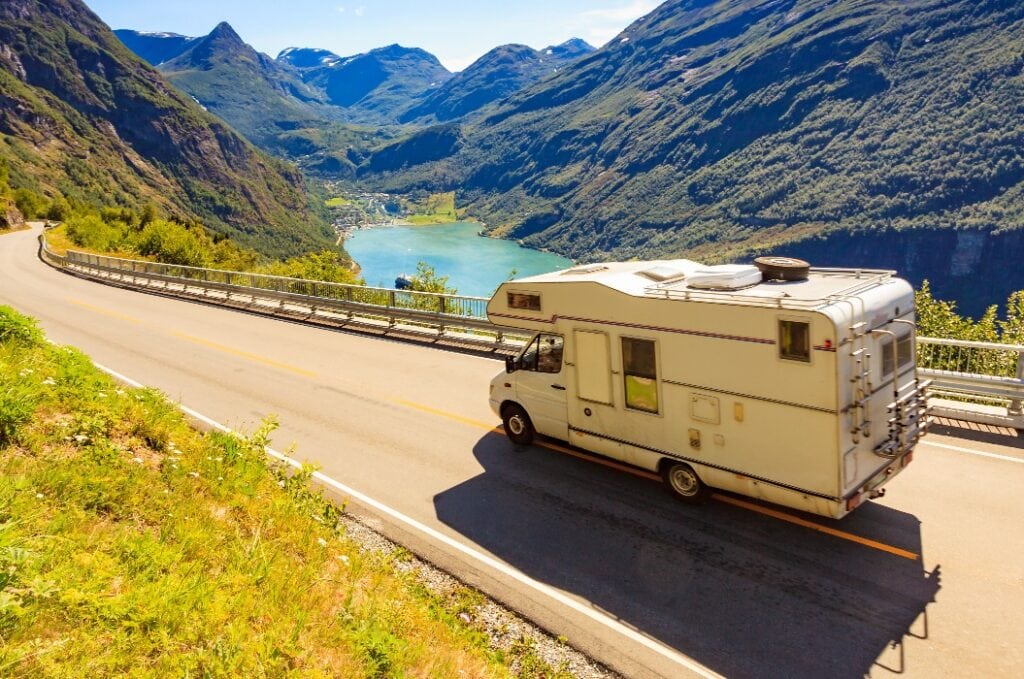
[451,317]
[956,368]
[985,370]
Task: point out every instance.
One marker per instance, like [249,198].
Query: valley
[712,132]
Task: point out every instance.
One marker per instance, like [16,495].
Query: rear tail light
[908,458]
[854,502]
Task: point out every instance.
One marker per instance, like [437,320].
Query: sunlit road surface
[926,582]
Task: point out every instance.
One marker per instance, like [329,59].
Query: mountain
[718,130]
[307,57]
[258,96]
[493,77]
[156,48]
[374,87]
[83,117]
[569,50]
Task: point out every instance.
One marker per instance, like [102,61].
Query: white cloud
[359,11]
[599,26]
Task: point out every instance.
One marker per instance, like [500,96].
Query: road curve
[724,587]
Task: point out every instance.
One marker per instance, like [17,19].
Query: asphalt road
[926,582]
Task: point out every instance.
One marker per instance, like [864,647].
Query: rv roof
[635,278]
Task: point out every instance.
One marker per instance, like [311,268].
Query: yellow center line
[102,311]
[642,473]
[796,520]
[246,355]
[447,415]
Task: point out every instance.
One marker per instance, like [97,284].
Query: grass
[337,201]
[130,544]
[438,208]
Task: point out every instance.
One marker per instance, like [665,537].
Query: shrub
[91,232]
[172,243]
[18,329]
[29,203]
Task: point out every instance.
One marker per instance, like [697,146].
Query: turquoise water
[475,265]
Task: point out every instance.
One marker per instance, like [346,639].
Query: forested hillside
[717,129]
[84,121]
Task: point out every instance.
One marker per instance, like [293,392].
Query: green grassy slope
[131,545]
[82,116]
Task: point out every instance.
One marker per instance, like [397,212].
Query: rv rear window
[904,354]
[522,300]
[795,341]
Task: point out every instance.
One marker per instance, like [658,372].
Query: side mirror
[510,364]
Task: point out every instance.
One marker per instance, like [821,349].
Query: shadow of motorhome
[744,594]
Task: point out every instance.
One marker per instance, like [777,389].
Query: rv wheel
[518,426]
[683,483]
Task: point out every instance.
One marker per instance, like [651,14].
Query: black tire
[682,483]
[518,426]
[782,268]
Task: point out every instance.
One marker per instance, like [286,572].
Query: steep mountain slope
[155,48]
[494,76]
[714,129]
[258,96]
[376,86]
[82,116]
[307,57]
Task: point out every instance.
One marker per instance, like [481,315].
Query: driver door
[541,385]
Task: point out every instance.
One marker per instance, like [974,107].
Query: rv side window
[544,355]
[795,341]
[903,354]
[522,300]
[639,367]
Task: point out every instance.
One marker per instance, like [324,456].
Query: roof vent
[662,274]
[783,268]
[585,269]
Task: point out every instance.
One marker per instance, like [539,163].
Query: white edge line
[503,568]
[980,453]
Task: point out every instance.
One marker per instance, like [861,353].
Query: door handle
[559,387]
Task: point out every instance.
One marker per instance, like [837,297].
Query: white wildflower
[81,438]
[100,394]
[194,474]
[281,483]
[343,559]
[322,542]
[49,382]
[40,496]
[137,460]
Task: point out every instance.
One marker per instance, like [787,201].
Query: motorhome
[790,384]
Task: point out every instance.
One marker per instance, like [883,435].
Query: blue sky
[456,31]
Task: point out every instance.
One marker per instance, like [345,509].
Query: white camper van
[781,382]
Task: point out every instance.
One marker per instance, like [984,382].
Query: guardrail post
[441,310]
[391,309]
[1016,404]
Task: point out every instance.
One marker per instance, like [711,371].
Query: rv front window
[543,355]
[640,370]
[523,300]
[795,341]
